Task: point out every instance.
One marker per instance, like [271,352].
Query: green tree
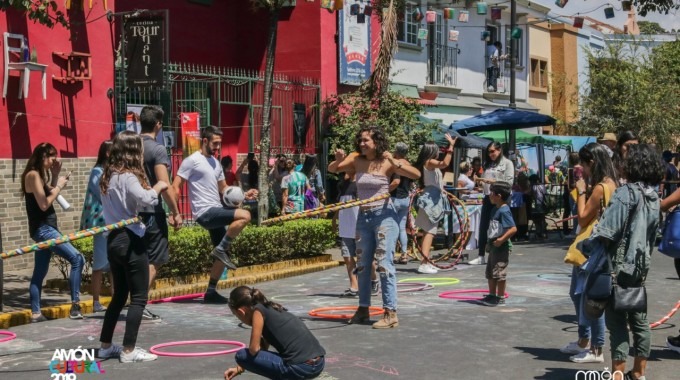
[43,12]
[396,115]
[655,6]
[628,91]
[648,27]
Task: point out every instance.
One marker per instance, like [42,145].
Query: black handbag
[629,300]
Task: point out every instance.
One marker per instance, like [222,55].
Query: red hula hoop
[454,294]
[320,312]
[155,349]
[667,317]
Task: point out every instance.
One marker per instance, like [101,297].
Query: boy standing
[501,229]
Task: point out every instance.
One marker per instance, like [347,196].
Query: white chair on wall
[24,68]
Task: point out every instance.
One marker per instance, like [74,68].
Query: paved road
[437,338]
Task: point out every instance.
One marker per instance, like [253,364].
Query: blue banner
[355,42]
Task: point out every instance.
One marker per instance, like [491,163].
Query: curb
[244,276]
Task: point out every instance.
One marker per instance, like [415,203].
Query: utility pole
[430,45]
[513,62]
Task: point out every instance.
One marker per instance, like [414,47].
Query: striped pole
[325,209]
[667,317]
[66,238]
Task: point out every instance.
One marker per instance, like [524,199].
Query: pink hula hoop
[454,294]
[177,298]
[155,349]
[8,336]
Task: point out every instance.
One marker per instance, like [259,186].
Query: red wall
[75,117]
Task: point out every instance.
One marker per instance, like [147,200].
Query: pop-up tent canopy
[502,119]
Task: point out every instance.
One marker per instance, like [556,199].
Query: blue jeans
[42,265]
[401,206]
[270,365]
[377,232]
[587,329]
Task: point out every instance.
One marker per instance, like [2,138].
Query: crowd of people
[613,189]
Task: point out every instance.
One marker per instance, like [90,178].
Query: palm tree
[274,8]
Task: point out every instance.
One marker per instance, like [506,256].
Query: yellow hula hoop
[325,209]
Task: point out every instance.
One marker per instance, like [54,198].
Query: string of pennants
[362,10]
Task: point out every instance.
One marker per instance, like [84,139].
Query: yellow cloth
[574,256]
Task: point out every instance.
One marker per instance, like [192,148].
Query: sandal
[403,259]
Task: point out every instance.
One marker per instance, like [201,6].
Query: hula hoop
[453,294]
[434,281]
[667,317]
[156,349]
[325,209]
[320,312]
[415,287]
[8,336]
[68,237]
[458,246]
[177,298]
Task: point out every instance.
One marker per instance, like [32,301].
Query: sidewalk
[15,297]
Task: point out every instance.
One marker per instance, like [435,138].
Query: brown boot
[360,316]
[388,321]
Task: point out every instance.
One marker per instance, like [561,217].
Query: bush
[190,247]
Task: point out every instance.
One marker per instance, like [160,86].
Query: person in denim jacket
[631,250]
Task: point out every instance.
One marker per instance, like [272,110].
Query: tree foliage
[396,115]
[45,12]
[628,90]
[656,6]
[648,27]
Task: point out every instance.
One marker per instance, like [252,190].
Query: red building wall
[74,117]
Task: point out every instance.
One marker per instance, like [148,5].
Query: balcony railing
[445,65]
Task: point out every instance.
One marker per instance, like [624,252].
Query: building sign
[355,42]
[145,50]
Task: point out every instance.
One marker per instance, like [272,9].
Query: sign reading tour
[145,50]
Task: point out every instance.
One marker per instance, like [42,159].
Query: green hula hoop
[434,281]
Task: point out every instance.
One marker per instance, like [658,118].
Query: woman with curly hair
[628,229]
[124,192]
[377,227]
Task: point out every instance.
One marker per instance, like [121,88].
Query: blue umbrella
[502,119]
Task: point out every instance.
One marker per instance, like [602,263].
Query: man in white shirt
[492,54]
[205,179]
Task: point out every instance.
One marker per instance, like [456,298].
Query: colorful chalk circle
[156,349]
[460,294]
[434,281]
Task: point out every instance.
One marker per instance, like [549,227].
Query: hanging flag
[430,17]
[417,15]
[481,8]
[495,13]
[609,12]
[561,3]
[463,16]
[516,33]
[453,35]
[449,13]
[578,22]
[422,34]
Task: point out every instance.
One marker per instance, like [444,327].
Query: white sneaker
[427,269]
[573,348]
[480,260]
[587,357]
[434,268]
[137,355]
[113,351]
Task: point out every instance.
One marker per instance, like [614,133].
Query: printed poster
[355,43]
[191,132]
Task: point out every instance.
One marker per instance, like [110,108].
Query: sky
[588,8]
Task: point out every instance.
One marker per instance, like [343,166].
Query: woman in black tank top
[41,185]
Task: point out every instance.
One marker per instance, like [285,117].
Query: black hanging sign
[299,124]
[144,50]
